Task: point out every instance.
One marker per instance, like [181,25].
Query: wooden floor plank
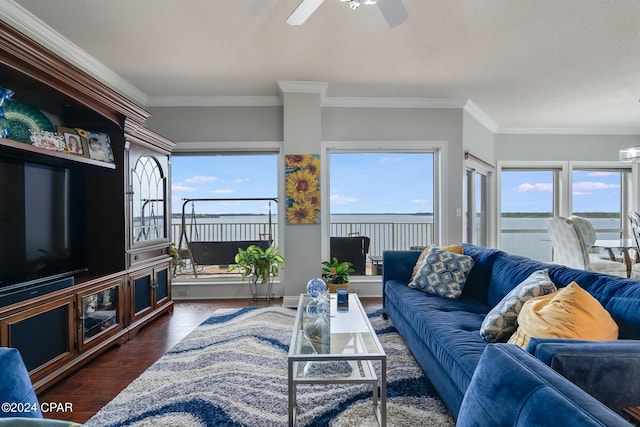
[98,382]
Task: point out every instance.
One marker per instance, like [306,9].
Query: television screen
[43,224]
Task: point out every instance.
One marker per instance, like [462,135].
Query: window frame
[248,148]
[563,186]
[437,148]
[476,166]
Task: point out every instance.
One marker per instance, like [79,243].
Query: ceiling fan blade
[304,10]
[393,11]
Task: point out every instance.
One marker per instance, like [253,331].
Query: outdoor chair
[352,249]
[570,250]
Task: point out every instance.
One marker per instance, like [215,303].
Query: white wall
[562,147]
[217,124]
[478,140]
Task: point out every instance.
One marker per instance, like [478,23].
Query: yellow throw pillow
[456,249]
[569,313]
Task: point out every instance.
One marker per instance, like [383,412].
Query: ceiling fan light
[631,154]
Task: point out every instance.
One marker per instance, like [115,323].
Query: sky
[360,183]
[532,191]
[371,183]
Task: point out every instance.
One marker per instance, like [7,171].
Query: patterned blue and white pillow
[443,273]
[502,321]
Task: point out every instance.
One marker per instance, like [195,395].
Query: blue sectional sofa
[443,335]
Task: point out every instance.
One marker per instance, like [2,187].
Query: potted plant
[261,265]
[336,274]
[177,260]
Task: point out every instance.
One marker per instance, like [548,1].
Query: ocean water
[525,236]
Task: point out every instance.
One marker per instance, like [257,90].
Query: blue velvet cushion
[502,321]
[15,387]
[607,370]
[512,388]
[443,273]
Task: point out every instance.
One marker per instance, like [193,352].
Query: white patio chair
[569,249]
[634,217]
[588,233]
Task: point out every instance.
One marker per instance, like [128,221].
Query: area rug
[232,371]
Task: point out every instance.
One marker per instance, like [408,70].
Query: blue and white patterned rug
[232,371]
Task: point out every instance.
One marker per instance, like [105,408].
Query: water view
[523,234]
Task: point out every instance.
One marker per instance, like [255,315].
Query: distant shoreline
[549,214]
[504,215]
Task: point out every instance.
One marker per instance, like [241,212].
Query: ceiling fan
[393,11]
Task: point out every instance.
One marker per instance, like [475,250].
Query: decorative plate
[22,119]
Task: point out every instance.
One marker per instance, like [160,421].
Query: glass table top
[325,331]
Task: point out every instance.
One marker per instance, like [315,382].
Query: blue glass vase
[316,288]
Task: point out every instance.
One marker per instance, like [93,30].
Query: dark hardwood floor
[96,383]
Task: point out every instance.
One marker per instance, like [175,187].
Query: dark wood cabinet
[127,280]
[101,312]
[150,290]
[44,332]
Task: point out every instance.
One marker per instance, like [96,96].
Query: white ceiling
[549,65]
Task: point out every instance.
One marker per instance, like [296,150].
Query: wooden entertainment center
[128,280]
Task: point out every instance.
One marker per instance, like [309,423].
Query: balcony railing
[383,235]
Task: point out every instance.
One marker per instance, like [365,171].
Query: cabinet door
[44,334]
[99,312]
[141,294]
[163,286]
[148,189]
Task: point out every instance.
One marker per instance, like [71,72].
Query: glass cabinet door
[148,186]
[100,312]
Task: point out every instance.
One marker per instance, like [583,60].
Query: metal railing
[383,235]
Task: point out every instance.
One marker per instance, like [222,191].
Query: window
[600,195]
[477,204]
[211,193]
[384,200]
[527,203]
[530,196]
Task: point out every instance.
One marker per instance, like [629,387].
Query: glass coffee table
[332,345]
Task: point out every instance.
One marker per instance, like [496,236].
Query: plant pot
[333,287]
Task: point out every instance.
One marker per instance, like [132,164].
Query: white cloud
[593,185]
[418,201]
[602,173]
[198,179]
[224,191]
[534,187]
[343,200]
[180,187]
[239,180]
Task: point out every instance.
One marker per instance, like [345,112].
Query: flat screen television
[43,224]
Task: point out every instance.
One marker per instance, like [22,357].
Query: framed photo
[48,140]
[99,145]
[74,143]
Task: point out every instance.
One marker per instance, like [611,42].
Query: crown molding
[474,111]
[389,102]
[286,86]
[31,26]
[214,101]
[567,131]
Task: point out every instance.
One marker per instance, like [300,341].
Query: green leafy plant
[336,272]
[176,258]
[257,263]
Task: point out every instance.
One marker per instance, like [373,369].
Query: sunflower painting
[303,188]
